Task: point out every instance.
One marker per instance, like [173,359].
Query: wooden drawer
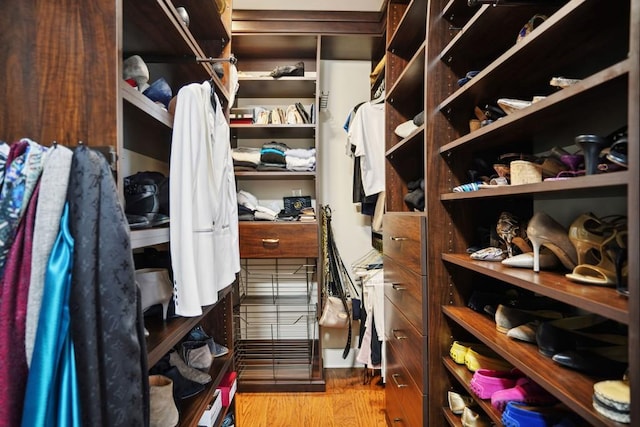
[407,343]
[405,403]
[278,240]
[404,288]
[404,241]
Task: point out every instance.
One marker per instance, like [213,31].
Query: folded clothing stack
[245,158]
[300,159]
[248,204]
[272,156]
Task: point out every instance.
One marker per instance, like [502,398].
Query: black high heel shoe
[591,146]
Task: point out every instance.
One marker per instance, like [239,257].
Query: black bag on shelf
[146,193]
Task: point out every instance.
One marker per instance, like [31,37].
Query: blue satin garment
[52,396]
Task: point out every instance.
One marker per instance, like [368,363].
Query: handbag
[334,314]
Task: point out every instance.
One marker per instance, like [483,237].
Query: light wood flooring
[346,402]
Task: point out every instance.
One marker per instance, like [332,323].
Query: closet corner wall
[459,39]
[62,81]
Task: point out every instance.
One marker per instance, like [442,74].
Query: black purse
[293,205]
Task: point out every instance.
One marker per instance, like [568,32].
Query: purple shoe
[485,382]
[525,391]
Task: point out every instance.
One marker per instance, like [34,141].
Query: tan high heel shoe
[545,231]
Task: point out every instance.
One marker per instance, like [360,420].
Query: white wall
[347,83]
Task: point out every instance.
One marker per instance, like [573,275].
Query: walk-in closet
[371,213]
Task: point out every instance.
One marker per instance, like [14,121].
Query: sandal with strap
[605,272]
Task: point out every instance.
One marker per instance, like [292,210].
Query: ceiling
[316,5]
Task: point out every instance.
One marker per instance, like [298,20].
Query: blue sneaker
[522,415]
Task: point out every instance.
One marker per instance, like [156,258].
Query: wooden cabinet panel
[278,240]
[408,343]
[404,288]
[403,240]
[405,402]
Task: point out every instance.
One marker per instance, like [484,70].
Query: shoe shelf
[453,419]
[542,57]
[599,300]
[191,409]
[458,12]
[473,48]
[463,376]
[164,335]
[561,108]
[574,390]
[613,183]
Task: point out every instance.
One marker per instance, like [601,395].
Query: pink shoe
[485,382]
[525,391]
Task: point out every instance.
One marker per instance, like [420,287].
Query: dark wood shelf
[406,93]
[462,54]
[250,47]
[272,131]
[164,335]
[540,56]
[574,187]
[194,407]
[596,299]
[463,375]
[559,109]
[452,419]
[411,30]
[458,12]
[144,104]
[571,387]
[166,45]
[285,87]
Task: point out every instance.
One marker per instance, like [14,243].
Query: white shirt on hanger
[366,133]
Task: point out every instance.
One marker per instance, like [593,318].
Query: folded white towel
[298,164]
[301,153]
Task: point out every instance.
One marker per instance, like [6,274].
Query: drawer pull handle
[398,287]
[395,380]
[270,241]
[396,336]
[398,239]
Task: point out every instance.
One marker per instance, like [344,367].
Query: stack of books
[307,215]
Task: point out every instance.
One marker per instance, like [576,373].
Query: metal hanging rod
[232,59]
[184,59]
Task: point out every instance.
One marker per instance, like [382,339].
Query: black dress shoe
[605,362]
[183,388]
[578,332]
[288,71]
